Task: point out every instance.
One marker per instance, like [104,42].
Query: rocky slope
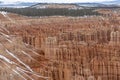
[62,48]
[17,58]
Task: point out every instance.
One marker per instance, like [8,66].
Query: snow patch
[5,59]
[19,60]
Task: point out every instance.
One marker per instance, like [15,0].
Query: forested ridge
[50,11]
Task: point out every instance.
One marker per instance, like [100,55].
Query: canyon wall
[81,48]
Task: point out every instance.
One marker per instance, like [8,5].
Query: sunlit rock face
[59,48]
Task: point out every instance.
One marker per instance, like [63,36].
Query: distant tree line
[50,11]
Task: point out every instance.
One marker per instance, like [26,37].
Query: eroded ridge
[17,60]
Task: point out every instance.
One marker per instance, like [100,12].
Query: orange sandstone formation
[68,48]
